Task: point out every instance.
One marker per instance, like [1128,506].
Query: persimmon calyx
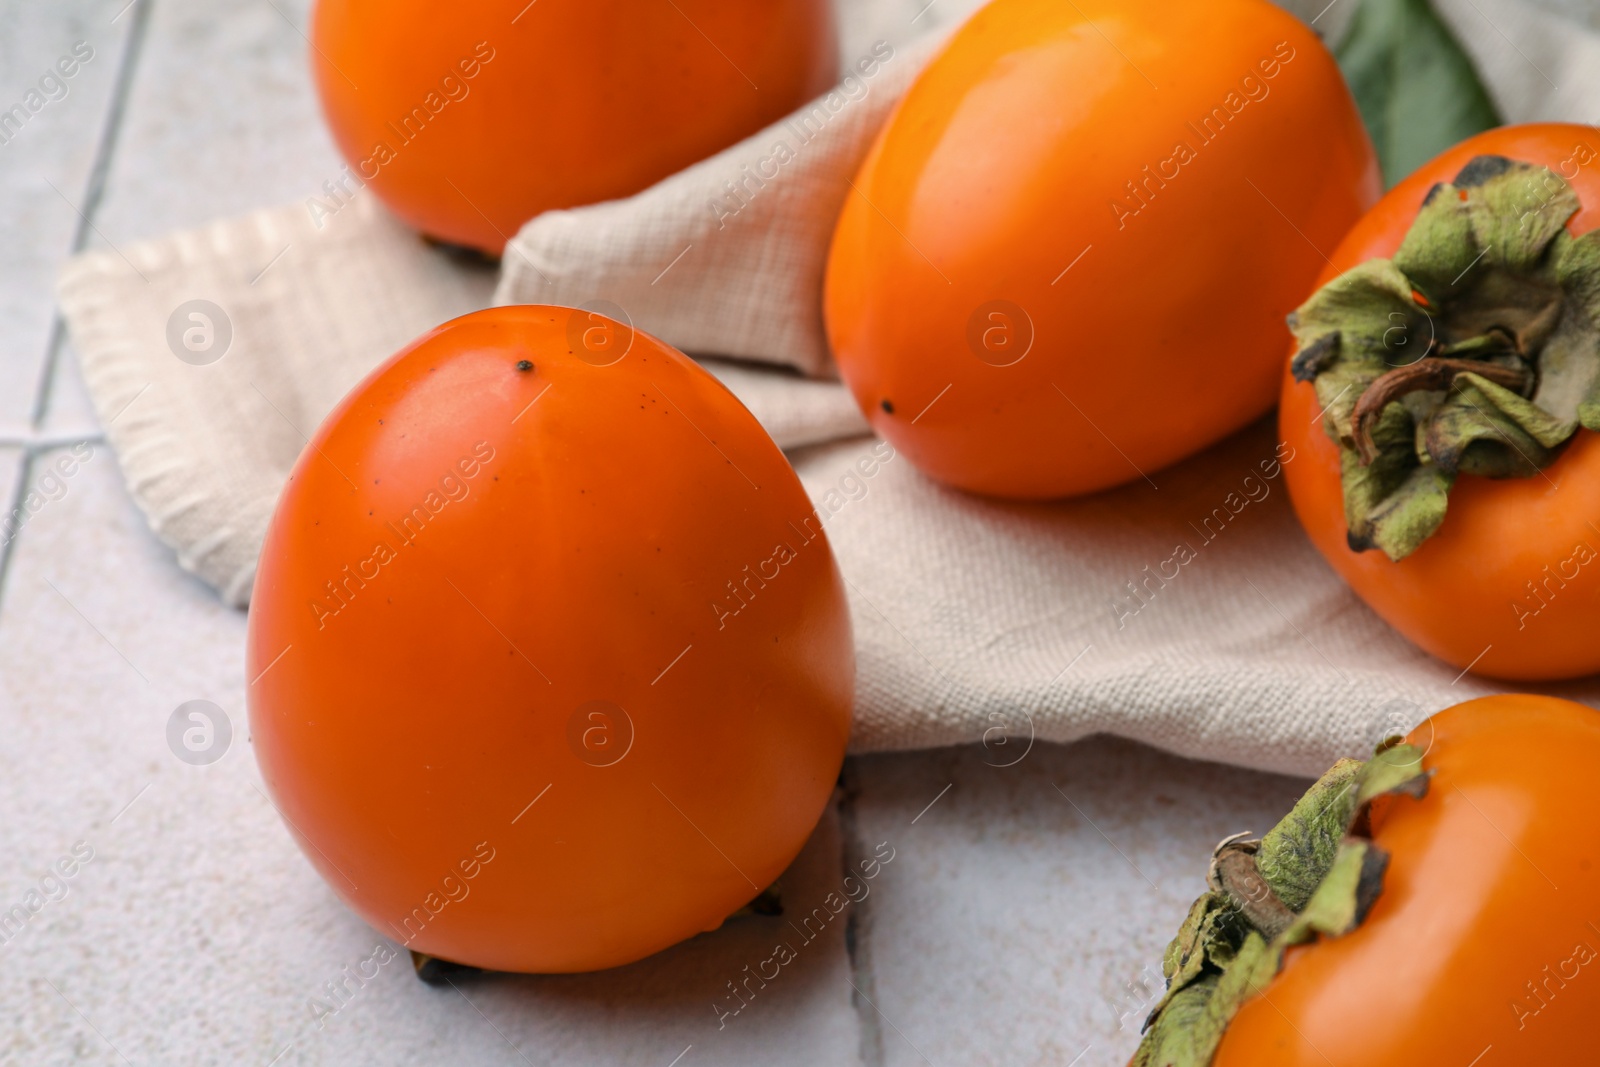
[1474,350]
[1315,874]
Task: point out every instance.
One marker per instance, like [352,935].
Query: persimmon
[549,660]
[468,120]
[1065,260]
[1436,905]
[1440,401]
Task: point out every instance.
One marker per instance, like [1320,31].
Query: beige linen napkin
[976,621]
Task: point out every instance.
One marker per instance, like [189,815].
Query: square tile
[222,119]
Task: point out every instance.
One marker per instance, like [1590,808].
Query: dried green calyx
[1475,350]
[1316,873]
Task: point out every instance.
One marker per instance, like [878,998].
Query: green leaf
[1417,90]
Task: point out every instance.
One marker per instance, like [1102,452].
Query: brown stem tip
[1429,372]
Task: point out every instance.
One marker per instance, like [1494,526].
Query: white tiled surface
[1014,925]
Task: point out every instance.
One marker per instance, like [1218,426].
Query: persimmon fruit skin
[1153,334]
[1457,596]
[1493,883]
[582,100]
[411,729]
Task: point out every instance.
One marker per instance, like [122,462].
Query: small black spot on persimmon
[524,364]
[888,408]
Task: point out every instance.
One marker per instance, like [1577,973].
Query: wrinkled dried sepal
[1338,389]
[1578,272]
[1315,357]
[1394,769]
[1186,953]
[1517,211]
[1441,239]
[1412,514]
[1205,946]
[1396,502]
[1295,854]
[1371,308]
[1486,430]
[1189,1034]
[1343,899]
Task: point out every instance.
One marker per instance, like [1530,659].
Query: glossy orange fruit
[1482,947]
[1510,583]
[471,118]
[1066,260]
[550,662]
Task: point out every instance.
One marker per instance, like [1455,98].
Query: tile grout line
[29,452]
[14,505]
[858,927]
[46,444]
[94,192]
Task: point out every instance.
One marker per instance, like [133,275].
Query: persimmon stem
[1234,873]
[1429,372]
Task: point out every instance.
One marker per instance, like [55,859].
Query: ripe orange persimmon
[1066,259]
[1509,583]
[550,662]
[471,118]
[1482,945]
